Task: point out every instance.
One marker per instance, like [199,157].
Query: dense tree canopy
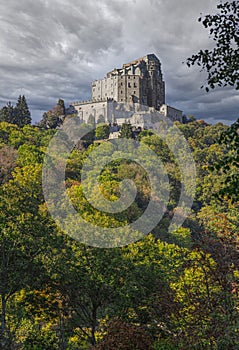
[222,66]
[178,290]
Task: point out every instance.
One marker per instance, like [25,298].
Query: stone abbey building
[134,93]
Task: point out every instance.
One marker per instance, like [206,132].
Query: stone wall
[139,81]
[171,112]
[94,112]
[110,111]
[107,87]
[134,93]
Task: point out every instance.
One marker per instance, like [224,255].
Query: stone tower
[132,92]
[139,81]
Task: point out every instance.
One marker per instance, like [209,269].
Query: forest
[165,291]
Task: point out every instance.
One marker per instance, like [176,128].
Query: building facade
[139,81]
[137,88]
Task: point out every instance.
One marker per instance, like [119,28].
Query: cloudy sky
[51,49]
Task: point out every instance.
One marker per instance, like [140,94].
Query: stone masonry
[138,86]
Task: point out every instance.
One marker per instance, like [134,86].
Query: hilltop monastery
[134,93]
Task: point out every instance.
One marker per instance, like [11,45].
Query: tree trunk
[63,344]
[94,322]
[3,322]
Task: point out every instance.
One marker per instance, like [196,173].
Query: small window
[129,85]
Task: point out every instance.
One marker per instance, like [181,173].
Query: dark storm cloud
[48,48]
[52,49]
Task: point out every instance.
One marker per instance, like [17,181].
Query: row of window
[123,92]
[120,92]
[129,86]
[128,76]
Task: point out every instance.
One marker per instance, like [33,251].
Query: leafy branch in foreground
[222,62]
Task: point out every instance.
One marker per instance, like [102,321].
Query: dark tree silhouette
[222,62]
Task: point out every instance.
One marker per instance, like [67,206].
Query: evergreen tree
[7,113]
[126,131]
[22,115]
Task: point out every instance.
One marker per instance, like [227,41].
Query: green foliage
[58,293]
[19,115]
[126,131]
[7,113]
[200,296]
[222,62]
[145,133]
[14,136]
[74,165]
[229,164]
[29,154]
[158,146]
[222,66]
[18,215]
[40,339]
[164,345]
[49,121]
[102,131]
[53,118]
